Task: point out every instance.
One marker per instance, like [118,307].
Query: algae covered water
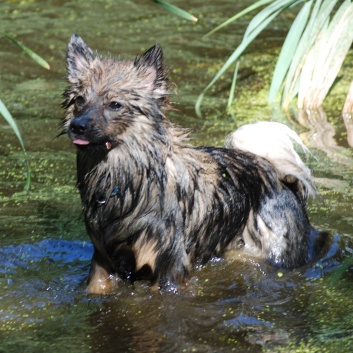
[237,306]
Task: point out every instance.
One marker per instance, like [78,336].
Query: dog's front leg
[100,280]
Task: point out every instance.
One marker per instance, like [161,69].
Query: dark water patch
[42,290]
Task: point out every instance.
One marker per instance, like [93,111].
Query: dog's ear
[150,65]
[79,57]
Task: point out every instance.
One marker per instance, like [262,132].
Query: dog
[155,206]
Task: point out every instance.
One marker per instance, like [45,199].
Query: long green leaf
[238,15]
[40,61]
[232,87]
[198,104]
[8,117]
[278,5]
[288,49]
[292,81]
[234,57]
[176,10]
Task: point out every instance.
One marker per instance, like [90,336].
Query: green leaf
[278,5]
[288,50]
[319,16]
[232,87]
[176,10]
[8,117]
[238,15]
[40,61]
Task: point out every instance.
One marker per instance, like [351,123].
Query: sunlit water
[239,305]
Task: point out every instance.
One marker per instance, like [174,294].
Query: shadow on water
[239,304]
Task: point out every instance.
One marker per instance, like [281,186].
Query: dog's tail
[274,142]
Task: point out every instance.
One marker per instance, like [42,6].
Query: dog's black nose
[78,126]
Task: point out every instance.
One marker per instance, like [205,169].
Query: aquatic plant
[5,112]
[312,53]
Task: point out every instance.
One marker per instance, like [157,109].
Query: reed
[312,53]
[5,112]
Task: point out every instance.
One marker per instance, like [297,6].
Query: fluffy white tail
[274,142]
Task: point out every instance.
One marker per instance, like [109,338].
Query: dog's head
[108,101]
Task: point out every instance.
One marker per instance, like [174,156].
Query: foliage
[7,115]
[308,51]
[321,62]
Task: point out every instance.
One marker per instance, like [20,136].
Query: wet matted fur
[154,206]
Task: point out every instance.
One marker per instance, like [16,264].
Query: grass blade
[288,50]
[198,104]
[238,15]
[176,10]
[232,87]
[8,117]
[40,61]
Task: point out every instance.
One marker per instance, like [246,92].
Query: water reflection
[321,134]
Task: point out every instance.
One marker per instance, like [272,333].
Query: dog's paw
[105,285]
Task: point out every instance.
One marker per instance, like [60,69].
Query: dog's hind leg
[279,231]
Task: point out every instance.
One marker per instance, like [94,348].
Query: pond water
[238,306]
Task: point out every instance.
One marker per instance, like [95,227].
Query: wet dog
[154,206]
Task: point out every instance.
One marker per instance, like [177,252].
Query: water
[240,305]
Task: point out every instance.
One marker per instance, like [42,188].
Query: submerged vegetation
[5,112]
[312,53]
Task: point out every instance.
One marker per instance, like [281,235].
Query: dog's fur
[154,206]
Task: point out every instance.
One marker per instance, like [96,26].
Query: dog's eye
[80,101]
[114,106]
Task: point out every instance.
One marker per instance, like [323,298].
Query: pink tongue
[80,142]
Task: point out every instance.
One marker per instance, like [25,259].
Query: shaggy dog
[154,206]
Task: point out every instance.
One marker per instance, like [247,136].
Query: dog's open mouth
[80,142]
[85,143]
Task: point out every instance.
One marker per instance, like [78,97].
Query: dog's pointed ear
[150,64]
[79,57]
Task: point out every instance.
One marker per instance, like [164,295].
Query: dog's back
[153,204]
